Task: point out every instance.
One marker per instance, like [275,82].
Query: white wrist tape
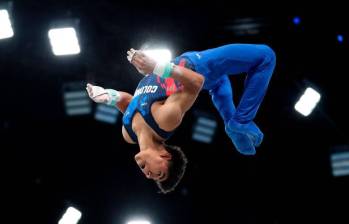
[114,97]
[97,91]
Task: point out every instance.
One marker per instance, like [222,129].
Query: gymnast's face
[153,163]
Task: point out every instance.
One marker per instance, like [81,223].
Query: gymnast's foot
[245,137]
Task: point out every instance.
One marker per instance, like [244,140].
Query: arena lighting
[64,41]
[247,26]
[76,99]
[71,216]
[204,129]
[159,55]
[340,160]
[307,101]
[138,222]
[6,30]
[106,114]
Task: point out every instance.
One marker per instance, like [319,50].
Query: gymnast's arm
[125,99]
[192,82]
[170,115]
[110,97]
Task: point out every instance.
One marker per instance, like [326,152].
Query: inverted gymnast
[168,91]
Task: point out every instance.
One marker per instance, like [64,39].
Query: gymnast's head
[166,165]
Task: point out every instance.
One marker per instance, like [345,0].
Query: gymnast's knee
[269,56]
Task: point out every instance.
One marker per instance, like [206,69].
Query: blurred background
[61,150]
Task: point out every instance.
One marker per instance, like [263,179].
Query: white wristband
[114,97]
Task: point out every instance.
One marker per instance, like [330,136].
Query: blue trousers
[258,62]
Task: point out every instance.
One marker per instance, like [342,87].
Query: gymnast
[168,91]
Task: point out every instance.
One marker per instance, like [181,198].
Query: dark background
[50,161]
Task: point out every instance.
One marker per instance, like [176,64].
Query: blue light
[340,38]
[296,20]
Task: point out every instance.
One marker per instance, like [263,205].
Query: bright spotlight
[340,38]
[307,101]
[159,55]
[138,222]
[6,30]
[64,41]
[71,216]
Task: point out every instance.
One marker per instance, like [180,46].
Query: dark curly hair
[176,170]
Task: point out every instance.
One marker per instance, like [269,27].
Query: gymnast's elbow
[198,82]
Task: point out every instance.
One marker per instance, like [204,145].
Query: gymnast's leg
[258,61]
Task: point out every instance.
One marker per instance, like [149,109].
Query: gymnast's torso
[143,110]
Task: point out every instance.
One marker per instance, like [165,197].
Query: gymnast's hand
[143,63]
[97,94]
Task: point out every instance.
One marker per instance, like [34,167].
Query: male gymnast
[168,91]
